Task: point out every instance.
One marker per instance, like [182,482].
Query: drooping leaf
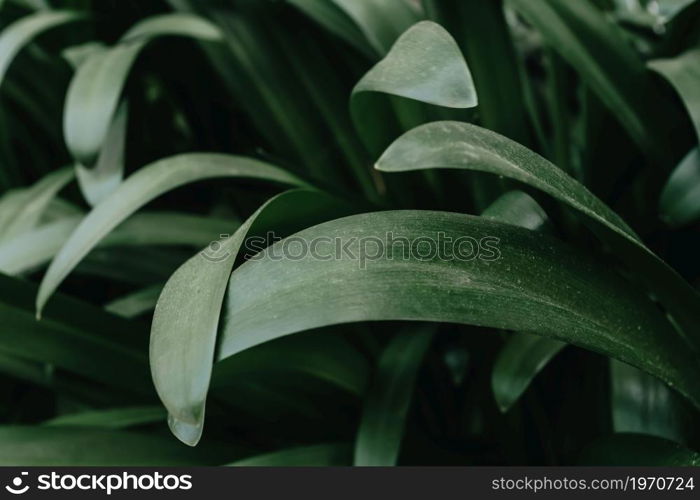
[98,182]
[425,65]
[389,397]
[535,284]
[20,211]
[95,89]
[680,198]
[186,319]
[464,146]
[119,418]
[320,455]
[683,72]
[638,450]
[143,186]
[17,35]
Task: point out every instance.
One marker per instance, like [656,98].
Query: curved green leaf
[118,418]
[186,319]
[389,397]
[320,455]
[520,209]
[21,32]
[680,198]
[425,64]
[536,284]
[95,89]
[20,211]
[143,186]
[683,72]
[98,182]
[464,146]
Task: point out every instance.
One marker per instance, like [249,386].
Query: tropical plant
[160,161]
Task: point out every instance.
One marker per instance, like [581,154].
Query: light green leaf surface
[143,186]
[537,285]
[425,64]
[389,397]
[98,182]
[186,319]
[17,35]
[464,146]
[94,91]
[20,211]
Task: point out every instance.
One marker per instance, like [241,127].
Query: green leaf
[320,455]
[425,64]
[389,397]
[97,85]
[20,211]
[381,22]
[117,418]
[464,146]
[635,450]
[59,446]
[20,33]
[74,337]
[518,363]
[642,404]
[536,284]
[97,183]
[143,186]
[524,355]
[520,209]
[683,72]
[679,204]
[136,303]
[32,250]
[599,52]
[335,20]
[186,319]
